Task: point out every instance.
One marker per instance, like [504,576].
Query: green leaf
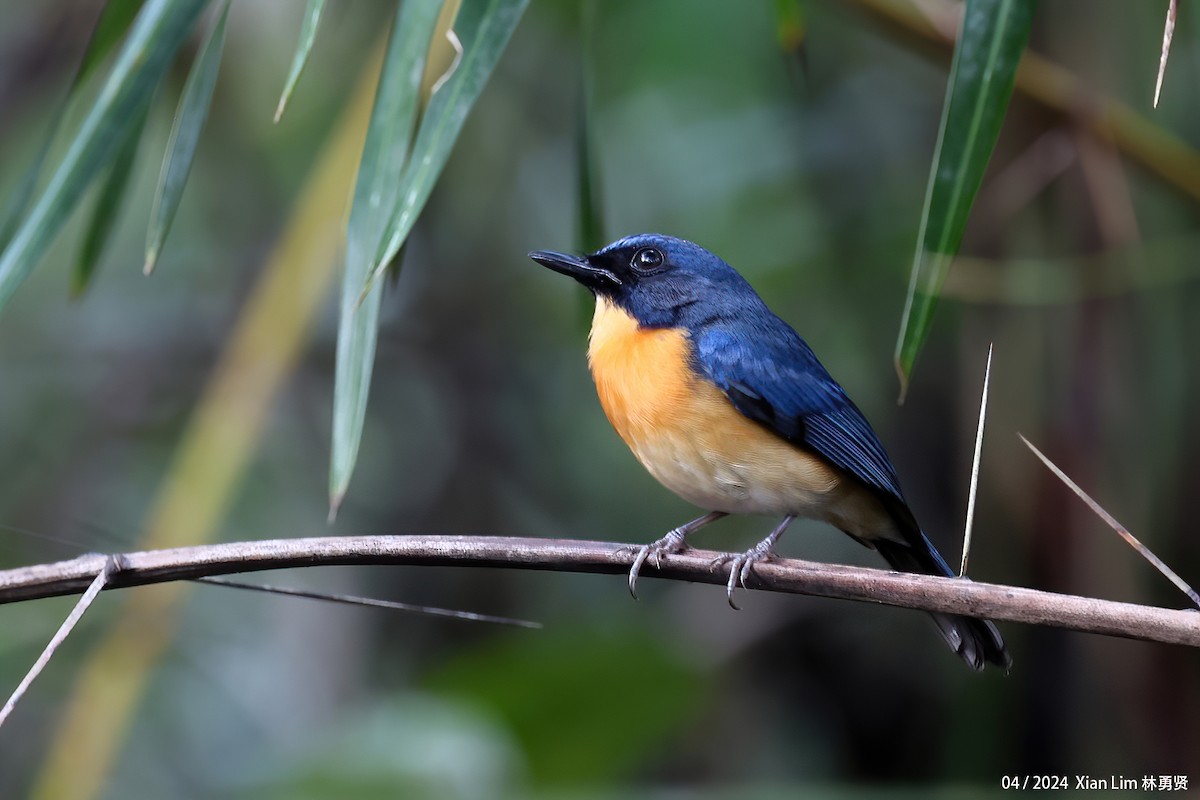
[570,735]
[376,193]
[114,21]
[483,28]
[308,34]
[591,206]
[157,34]
[185,135]
[791,25]
[990,44]
[108,206]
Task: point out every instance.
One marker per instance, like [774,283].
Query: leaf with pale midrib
[111,26]
[990,44]
[157,33]
[399,189]
[112,191]
[484,29]
[376,193]
[308,34]
[185,135]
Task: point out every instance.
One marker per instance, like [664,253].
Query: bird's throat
[641,374]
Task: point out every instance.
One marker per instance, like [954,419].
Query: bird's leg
[673,542]
[743,564]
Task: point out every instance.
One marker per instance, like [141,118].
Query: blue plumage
[773,377]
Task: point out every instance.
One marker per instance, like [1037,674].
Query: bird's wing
[772,376]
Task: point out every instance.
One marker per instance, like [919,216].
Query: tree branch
[950,595]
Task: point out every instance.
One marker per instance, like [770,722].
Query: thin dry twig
[1168,32]
[924,592]
[1116,526]
[966,550]
[64,631]
[391,605]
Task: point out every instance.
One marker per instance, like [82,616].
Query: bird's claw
[741,566]
[673,542]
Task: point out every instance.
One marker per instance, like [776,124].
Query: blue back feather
[772,376]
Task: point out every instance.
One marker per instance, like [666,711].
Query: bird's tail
[975,640]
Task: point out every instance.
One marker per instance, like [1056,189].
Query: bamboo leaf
[445,52]
[483,28]
[157,34]
[591,206]
[791,25]
[791,33]
[376,193]
[308,34]
[185,135]
[114,21]
[108,206]
[990,44]
[112,25]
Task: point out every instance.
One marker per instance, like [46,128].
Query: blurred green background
[806,172]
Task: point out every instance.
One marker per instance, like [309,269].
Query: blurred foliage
[539,686]
[1076,262]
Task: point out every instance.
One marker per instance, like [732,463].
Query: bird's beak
[578,267]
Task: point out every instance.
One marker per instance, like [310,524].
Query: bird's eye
[647,259]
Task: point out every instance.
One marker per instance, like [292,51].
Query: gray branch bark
[951,595]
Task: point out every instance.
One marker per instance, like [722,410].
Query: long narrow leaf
[114,21]
[185,135]
[308,34]
[157,34]
[112,25]
[484,28]
[591,205]
[376,193]
[108,206]
[990,45]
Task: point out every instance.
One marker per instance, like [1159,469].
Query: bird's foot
[673,542]
[742,565]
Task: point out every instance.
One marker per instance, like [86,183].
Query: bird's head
[659,280]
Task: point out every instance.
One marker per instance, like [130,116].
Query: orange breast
[641,375]
[690,437]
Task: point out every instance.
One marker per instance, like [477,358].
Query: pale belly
[691,438]
[715,467]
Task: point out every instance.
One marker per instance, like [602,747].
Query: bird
[728,407]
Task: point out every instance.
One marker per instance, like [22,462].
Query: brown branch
[951,595]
